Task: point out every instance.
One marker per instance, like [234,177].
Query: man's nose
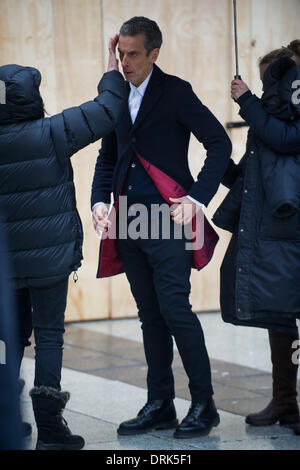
[124,62]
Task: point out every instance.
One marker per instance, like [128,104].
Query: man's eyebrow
[129,52]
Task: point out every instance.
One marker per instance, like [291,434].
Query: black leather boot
[283,408]
[53,432]
[156,414]
[199,421]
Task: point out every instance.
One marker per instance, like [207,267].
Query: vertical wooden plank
[78,56]
[282,19]
[26,38]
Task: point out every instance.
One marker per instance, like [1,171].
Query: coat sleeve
[281,136]
[232,172]
[77,127]
[208,130]
[104,170]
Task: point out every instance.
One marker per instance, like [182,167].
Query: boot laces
[64,423]
[194,410]
[148,407]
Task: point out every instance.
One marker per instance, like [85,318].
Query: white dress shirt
[135,98]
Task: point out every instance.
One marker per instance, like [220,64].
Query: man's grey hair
[148,28]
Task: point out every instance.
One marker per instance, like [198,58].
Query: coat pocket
[279,228]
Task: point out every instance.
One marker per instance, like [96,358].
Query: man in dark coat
[260,273]
[42,223]
[145,160]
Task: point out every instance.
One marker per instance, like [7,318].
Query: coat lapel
[127,113]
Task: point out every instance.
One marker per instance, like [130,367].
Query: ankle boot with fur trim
[53,432]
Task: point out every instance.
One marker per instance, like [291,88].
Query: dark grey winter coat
[260,273]
[37,191]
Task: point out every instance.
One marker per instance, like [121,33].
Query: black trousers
[159,275]
[42,310]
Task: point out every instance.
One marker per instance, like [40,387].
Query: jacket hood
[20,99]
[279,95]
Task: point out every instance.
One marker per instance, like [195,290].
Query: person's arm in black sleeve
[281,136]
[209,131]
[103,176]
[231,174]
[77,127]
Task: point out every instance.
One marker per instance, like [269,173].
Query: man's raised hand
[113,63]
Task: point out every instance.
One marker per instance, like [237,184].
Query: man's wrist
[98,203]
[196,202]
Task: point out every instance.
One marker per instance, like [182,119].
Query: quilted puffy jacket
[37,192]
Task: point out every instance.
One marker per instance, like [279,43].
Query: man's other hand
[185,211]
[100,218]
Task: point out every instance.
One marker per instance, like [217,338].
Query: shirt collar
[142,88]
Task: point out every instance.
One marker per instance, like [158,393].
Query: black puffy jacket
[260,273]
[37,192]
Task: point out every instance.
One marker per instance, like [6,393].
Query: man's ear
[154,55]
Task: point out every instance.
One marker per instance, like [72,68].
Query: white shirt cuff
[98,203]
[196,202]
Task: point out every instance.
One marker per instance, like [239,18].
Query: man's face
[135,62]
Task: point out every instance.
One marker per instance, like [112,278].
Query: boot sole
[44,446]
[164,425]
[286,421]
[191,434]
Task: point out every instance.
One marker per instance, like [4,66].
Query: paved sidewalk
[105,370]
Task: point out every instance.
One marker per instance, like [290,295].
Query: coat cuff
[243,98]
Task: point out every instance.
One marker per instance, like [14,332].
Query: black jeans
[158,272]
[42,310]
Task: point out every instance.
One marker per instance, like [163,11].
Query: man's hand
[113,63]
[100,218]
[238,88]
[185,211]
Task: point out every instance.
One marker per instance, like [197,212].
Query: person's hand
[185,211]
[100,218]
[238,88]
[113,63]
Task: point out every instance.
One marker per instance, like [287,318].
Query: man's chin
[129,76]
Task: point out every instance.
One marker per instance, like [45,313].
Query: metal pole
[237,75]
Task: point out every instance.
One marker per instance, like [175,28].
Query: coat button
[240,270]
[133,165]
[238,309]
[246,191]
[252,152]
[241,230]
[130,187]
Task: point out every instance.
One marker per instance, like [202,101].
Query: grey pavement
[98,404]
